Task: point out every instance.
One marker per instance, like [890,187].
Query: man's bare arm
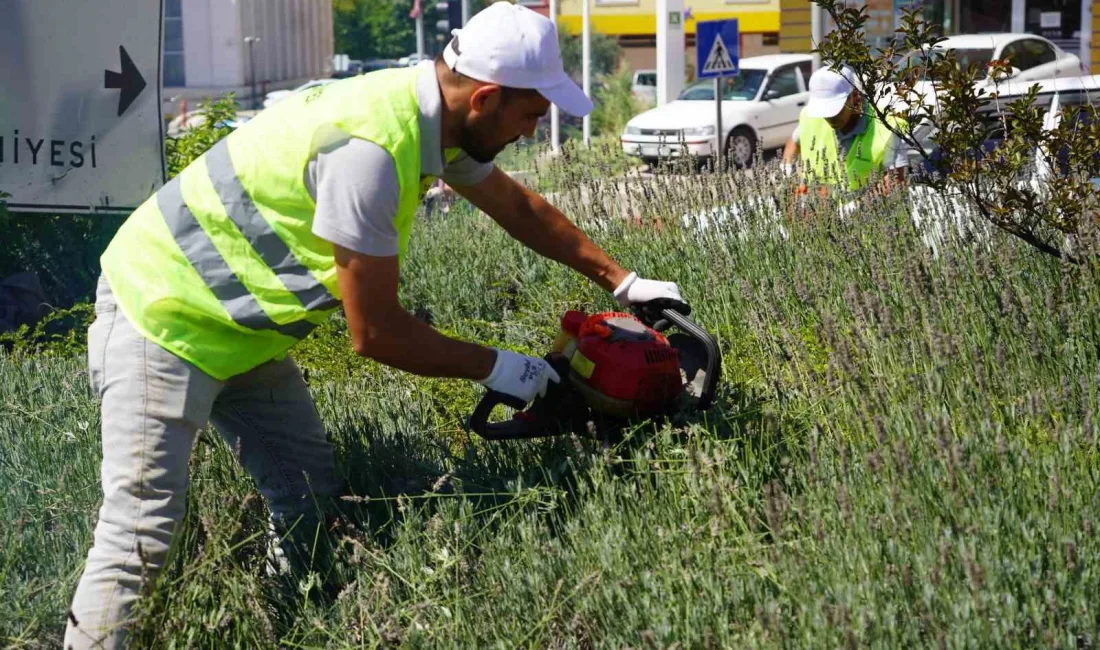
[382,330]
[532,221]
[790,152]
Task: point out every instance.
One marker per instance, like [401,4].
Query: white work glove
[634,290]
[520,376]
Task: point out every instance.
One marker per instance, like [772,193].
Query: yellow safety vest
[820,162]
[221,266]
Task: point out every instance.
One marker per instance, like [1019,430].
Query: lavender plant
[903,452]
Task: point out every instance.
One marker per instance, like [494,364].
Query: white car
[1031,57]
[191,119]
[276,96]
[412,60]
[760,109]
[644,86]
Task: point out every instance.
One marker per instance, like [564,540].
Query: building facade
[1070,24]
[213,47]
[634,24]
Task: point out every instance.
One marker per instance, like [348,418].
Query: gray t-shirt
[354,181]
[896,156]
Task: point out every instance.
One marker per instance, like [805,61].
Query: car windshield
[742,86]
[967,56]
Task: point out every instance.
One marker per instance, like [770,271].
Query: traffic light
[452,10]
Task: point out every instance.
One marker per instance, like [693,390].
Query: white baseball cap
[512,46]
[829,89]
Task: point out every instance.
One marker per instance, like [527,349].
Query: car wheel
[740,148]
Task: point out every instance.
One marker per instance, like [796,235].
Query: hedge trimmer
[614,367]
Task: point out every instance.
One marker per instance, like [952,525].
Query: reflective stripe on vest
[221,266]
[820,158]
[272,250]
[212,267]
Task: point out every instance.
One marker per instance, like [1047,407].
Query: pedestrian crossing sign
[717,48]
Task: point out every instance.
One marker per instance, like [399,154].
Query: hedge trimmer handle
[478,422]
[652,313]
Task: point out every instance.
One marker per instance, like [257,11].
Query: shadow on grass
[398,478]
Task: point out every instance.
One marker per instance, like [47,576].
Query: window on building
[1055,19]
[173,44]
[784,83]
[978,16]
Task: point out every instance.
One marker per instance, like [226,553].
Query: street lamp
[250,41]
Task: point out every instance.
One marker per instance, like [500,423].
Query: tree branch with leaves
[1035,183]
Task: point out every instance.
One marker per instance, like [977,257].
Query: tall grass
[903,452]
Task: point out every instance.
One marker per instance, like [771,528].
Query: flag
[415,13]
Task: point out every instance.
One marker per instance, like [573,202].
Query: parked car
[1031,57]
[276,96]
[412,59]
[197,117]
[370,65]
[760,109]
[1053,96]
[644,86]
[354,69]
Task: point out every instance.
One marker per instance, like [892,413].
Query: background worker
[308,206]
[838,137]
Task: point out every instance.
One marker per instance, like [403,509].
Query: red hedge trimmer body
[614,366]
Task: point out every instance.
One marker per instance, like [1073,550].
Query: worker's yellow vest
[820,162]
[220,266]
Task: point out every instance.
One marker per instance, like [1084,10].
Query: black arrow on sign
[129,81]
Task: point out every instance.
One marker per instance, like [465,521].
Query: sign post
[555,117]
[717,48]
[586,65]
[80,114]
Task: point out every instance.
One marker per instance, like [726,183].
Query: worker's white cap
[829,89]
[510,45]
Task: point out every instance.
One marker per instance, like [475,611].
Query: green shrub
[962,110]
[219,113]
[615,103]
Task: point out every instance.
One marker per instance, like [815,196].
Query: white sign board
[80,120]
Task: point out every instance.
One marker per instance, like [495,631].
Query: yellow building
[634,23]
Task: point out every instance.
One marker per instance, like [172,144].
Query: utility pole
[251,41]
[417,14]
[465,12]
[670,50]
[420,38]
[817,31]
[555,117]
[586,64]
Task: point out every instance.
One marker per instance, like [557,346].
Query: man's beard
[474,138]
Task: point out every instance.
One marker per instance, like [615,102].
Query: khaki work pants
[153,405]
